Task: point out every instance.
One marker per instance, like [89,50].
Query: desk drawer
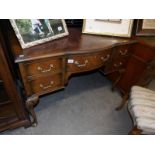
[122,51]
[119,58]
[46,83]
[80,63]
[119,63]
[44,67]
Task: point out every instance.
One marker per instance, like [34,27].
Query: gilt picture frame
[145,27]
[109,27]
[31,32]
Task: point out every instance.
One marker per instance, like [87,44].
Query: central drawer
[80,63]
[39,68]
[46,83]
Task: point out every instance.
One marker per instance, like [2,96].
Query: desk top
[74,43]
[150,41]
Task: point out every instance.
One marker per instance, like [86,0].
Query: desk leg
[30,103]
[120,71]
[124,101]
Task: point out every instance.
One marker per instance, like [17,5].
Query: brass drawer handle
[48,86]
[105,58]
[123,52]
[45,70]
[118,65]
[81,65]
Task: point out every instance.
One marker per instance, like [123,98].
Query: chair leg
[135,131]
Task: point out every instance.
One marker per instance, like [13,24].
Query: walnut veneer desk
[47,67]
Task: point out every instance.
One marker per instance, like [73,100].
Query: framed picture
[112,27]
[32,32]
[145,27]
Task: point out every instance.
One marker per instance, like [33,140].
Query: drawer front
[119,58]
[115,65]
[80,63]
[44,67]
[102,58]
[46,83]
[122,51]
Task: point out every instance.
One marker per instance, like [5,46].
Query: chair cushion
[141,106]
[143,117]
[147,125]
[139,92]
[138,88]
[144,102]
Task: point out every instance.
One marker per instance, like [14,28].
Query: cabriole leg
[30,103]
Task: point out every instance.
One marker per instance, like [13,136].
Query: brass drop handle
[81,65]
[45,70]
[118,65]
[105,58]
[48,86]
[123,52]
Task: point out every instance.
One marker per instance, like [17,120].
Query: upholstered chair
[141,106]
